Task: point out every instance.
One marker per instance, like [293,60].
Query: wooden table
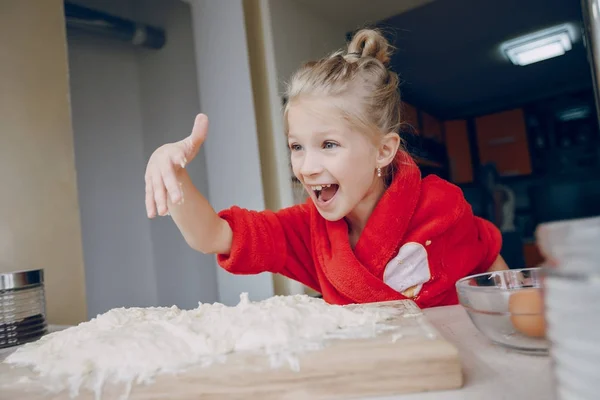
[490,371]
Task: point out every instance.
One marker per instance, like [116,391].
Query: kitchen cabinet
[533,257]
[410,116]
[432,127]
[422,138]
[459,151]
[502,140]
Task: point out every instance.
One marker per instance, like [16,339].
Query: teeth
[320,187]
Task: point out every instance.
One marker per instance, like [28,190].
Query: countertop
[490,372]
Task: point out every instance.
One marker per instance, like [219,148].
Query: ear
[388,147]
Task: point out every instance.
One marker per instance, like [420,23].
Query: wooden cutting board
[413,357]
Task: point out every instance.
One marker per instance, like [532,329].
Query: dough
[133,345]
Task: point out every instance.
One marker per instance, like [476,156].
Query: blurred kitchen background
[90,88]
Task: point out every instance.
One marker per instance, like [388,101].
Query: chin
[332,217]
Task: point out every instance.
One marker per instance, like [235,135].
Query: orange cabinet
[459,151]
[502,140]
[432,127]
[533,257]
[410,116]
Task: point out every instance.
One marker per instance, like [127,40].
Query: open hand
[165,164]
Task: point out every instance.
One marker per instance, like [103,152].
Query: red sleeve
[466,245]
[490,238]
[472,246]
[267,241]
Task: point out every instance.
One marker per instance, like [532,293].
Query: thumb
[199,131]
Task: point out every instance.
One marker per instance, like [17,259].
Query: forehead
[314,116]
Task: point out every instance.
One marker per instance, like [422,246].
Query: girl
[372,229]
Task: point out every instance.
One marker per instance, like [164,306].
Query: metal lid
[21,279]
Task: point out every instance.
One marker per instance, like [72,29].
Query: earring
[379,172]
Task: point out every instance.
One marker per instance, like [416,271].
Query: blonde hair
[357,81]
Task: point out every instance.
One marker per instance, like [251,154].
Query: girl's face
[336,164]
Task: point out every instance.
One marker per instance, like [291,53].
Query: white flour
[133,345]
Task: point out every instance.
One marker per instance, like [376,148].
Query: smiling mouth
[324,193]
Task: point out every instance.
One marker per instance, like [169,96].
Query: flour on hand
[134,345]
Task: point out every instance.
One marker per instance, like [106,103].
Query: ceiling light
[574,113]
[541,45]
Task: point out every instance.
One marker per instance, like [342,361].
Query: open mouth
[324,193]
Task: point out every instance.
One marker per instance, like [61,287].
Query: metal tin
[21,279]
[22,307]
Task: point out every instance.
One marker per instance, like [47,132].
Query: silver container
[572,299]
[22,307]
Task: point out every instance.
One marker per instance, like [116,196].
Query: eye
[295,147]
[330,145]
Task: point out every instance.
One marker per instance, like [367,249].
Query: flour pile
[133,345]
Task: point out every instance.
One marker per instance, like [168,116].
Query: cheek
[361,166]
[357,176]
[295,163]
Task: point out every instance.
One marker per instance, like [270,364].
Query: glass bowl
[507,307]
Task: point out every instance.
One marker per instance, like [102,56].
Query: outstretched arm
[246,242]
[169,189]
[277,242]
[198,222]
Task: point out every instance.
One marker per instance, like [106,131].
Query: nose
[311,164]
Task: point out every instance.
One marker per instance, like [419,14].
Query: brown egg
[529,302]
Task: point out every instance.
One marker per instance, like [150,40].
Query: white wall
[109,155]
[300,35]
[170,102]
[232,153]
[126,102]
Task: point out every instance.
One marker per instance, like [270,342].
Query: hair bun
[370,43]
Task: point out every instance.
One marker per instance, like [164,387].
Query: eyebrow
[318,133]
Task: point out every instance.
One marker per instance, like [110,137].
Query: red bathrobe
[421,238]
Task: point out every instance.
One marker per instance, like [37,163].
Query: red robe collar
[355,276]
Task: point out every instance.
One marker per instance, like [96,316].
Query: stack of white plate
[572,300]
[22,307]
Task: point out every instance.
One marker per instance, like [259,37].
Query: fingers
[170,181]
[161,180]
[150,204]
[179,159]
[160,193]
[161,177]
[200,129]
[198,135]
